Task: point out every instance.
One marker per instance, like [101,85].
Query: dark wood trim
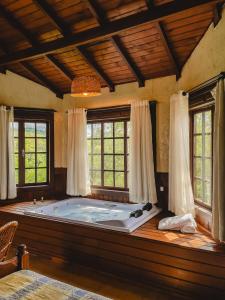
[42,79]
[168,48]
[97,69]
[52,16]
[152,107]
[96,11]
[156,14]
[128,60]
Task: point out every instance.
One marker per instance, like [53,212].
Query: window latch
[23,153]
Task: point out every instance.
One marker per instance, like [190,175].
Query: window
[202,156]
[108,153]
[32,151]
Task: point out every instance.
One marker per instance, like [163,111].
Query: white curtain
[141,176]
[218,201]
[181,200]
[78,183]
[7,167]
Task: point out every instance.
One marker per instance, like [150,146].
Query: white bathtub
[97,213]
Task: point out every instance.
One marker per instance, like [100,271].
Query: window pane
[119,146]
[96,162]
[198,189]
[198,123]
[96,130]
[96,147]
[96,177]
[119,179]
[29,145]
[198,145]
[41,175]
[208,121]
[89,146]
[88,130]
[17,176]
[208,196]
[119,129]
[29,175]
[41,160]
[208,145]
[108,179]
[208,169]
[30,160]
[41,129]
[41,145]
[108,146]
[16,160]
[16,145]
[29,129]
[119,162]
[108,162]
[198,167]
[108,129]
[16,129]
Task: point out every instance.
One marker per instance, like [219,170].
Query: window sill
[34,187]
[204,217]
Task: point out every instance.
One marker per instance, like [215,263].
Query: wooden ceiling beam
[42,79]
[101,19]
[218,13]
[168,48]
[52,16]
[94,65]
[14,23]
[59,66]
[154,15]
[150,3]
[129,61]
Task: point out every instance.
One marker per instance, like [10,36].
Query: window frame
[193,112]
[125,154]
[38,116]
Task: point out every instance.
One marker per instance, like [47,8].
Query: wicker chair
[7,233]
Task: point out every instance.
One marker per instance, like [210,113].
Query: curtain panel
[218,199]
[142,187]
[181,200]
[7,165]
[78,182]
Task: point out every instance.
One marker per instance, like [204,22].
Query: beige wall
[206,61]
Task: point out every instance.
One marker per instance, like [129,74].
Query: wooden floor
[184,264]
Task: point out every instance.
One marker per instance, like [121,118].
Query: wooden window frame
[37,116]
[193,112]
[125,154]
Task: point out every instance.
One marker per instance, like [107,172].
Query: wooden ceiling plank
[168,48]
[150,16]
[59,66]
[101,19]
[42,79]
[14,23]
[129,61]
[52,16]
[98,70]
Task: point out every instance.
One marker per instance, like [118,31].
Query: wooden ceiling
[53,41]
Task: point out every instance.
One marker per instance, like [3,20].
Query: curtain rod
[206,83]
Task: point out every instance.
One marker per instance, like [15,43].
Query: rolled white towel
[184,223]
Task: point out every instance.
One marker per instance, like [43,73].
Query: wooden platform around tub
[191,264]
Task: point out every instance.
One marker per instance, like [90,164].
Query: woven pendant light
[86,86]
